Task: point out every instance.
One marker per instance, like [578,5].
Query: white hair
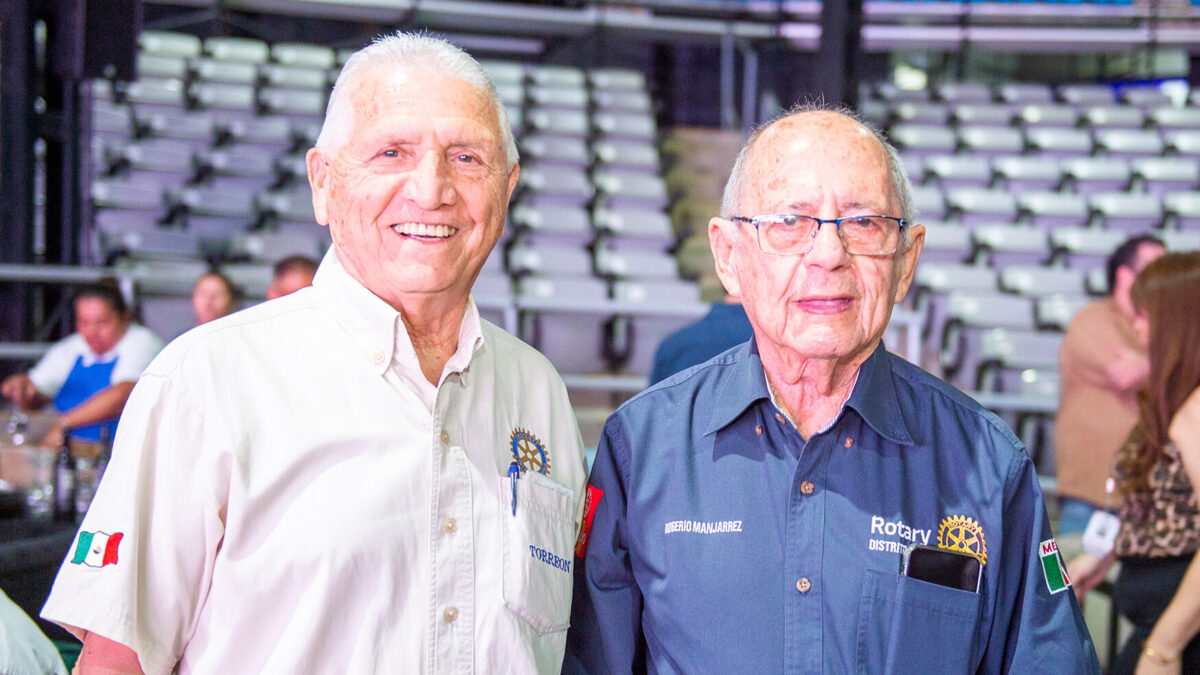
[898,180]
[408,51]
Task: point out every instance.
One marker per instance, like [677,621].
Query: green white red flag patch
[1052,567]
[97,549]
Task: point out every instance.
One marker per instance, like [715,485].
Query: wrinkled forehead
[412,92]
[813,153]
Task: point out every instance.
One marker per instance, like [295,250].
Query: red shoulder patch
[590,502]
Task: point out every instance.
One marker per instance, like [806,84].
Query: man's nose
[827,248]
[429,185]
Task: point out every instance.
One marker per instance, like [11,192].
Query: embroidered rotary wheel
[529,452]
[963,534]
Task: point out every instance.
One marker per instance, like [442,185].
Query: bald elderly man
[363,476]
[808,502]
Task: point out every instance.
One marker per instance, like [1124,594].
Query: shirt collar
[377,327]
[873,397]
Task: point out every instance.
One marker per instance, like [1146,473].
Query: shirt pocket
[907,625]
[539,546]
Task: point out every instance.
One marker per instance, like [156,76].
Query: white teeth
[423,230]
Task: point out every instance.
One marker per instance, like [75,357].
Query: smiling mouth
[423,231]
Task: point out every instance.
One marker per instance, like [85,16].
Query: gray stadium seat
[271,247]
[1059,142]
[628,154]
[1089,175]
[640,229]
[969,315]
[1185,142]
[1175,118]
[165,43]
[161,65]
[557,76]
[227,72]
[1047,115]
[981,205]
[555,184]
[1005,353]
[1114,117]
[962,92]
[156,94]
[649,311]
[295,77]
[1128,211]
[1181,240]
[552,225]
[550,149]
[1005,245]
[1161,175]
[1129,143]
[632,264]
[639,189]
[624,125]
[945,243]
[1052,208]
[920,112]
[929,202]
[225,99]
[622,100]
[549,260]
[951,171]
[990,141]
[1020,174]
[237,49]
[558,122]
[1084,248]
[616,78]
[923,139]
[983,114]
[890,92]
[1086,94]
[1183,210]
[1145,97]
[543,96]
[1039,280]
[1021,93]
[563,317]
[303,55]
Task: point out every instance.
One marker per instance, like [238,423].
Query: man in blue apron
[88,375]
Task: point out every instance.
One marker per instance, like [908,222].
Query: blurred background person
[214,296]
[88,375]
[291,274]
[1158,474]
[724,326]
[1102,365]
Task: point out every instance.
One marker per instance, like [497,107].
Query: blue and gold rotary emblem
[529,452]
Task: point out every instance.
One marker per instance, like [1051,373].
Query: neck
[433,331]
[810,391]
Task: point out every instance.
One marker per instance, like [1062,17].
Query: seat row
[1019,93]
[1112,209]
[1049,142]
[1035,115]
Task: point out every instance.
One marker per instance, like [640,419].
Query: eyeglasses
[790,234]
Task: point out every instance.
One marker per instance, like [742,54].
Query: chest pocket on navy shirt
[539,552]
[911,626]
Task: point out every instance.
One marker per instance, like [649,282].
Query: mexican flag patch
[97,549]
[1052,567]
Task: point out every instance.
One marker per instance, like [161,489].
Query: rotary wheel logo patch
[963,534]
[529,452]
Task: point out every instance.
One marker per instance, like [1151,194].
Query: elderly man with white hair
[362,476]
[808,502]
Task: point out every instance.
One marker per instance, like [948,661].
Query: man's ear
[722,239]
[319,180]
[908,258]
[513,177]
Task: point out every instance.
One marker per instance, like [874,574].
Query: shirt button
[445,437]
[807,487]
[450,614]
[848,442]
[449,525]
[758,430]
[780,418]
[802,585]
[377,358]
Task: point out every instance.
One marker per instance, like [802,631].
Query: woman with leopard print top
[1158,472]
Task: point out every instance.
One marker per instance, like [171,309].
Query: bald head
[830,135]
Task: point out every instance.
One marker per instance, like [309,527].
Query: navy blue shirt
[724,542]
[723,327]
